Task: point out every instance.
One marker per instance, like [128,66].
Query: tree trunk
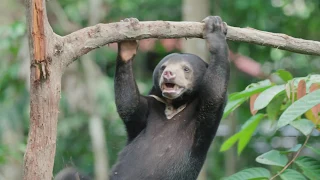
[196,11]
[45,88]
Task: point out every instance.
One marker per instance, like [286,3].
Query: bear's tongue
[169,85]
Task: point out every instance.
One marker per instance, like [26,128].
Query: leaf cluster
[295,102]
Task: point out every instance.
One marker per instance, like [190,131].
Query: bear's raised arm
[131,106]
[213,89]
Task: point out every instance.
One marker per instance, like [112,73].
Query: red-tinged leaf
[252,100]
[316,109]
[301,91]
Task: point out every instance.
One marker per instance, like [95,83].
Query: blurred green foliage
[298,18]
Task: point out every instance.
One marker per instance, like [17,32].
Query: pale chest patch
[169,111]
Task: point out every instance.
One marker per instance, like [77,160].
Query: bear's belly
[165,154]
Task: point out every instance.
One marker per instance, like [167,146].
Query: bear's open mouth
[170,87]
[171,90]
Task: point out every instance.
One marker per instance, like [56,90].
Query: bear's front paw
[128,48]
[214,24]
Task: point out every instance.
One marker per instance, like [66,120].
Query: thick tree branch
[276,40]
[87,39]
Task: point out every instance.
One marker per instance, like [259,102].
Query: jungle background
[90,132]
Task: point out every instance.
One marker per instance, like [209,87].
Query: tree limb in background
[247,65]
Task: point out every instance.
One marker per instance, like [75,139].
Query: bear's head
[178,75]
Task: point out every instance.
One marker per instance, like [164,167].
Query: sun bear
[170,130]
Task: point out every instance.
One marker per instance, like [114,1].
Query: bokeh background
[90,132]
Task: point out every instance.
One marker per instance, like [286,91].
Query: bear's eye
[163,67]
[186,69]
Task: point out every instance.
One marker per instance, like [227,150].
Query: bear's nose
[169,75]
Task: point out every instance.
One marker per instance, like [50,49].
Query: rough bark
[82,41]
[45,88]
[50,54]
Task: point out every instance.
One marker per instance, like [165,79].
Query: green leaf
[290,174]
[315,78]
[298,108]
[251,173]
[232,105]
[266,96]
[317,151]
[251,90]
[305,126]
[274,107]
[273,157]
[284,75]
[247,130]
[309,166]
[229,142]
[293,149]
[244,135]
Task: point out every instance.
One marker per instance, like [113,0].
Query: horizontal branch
[87,39]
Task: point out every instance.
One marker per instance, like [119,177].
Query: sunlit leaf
[244,135]
[250,174]
[236,99]
[284,75]
[298,108]
[303,125]
[251,89]
[246,132]
[273,157]
[232,105]
[229,142]
[290,174]
[266,96]
[309,166]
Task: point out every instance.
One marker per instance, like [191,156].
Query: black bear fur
[172,149]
